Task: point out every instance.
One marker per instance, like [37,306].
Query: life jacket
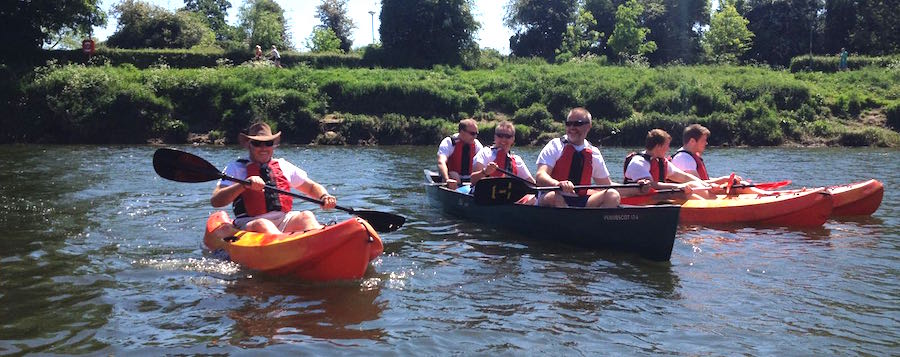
[659,168]
[701,166]
[504,160]
[574,166]
[461,158]
[254,203]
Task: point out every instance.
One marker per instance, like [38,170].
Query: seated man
[689,158]
[258,210]
[456,152]
[652,164]
[571,160]
[500,156]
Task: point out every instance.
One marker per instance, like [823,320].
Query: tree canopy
[333,15]
[262,22]
[143,25]
[214,11]
[422,33]
[629,38]
[728,37]
[26,25]
[539,25]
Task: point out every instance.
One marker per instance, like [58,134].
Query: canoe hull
[798,209]
[857,199]
[646,231]
[337,252]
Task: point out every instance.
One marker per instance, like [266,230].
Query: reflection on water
[280,310]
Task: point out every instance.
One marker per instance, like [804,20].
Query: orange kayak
[337,252]
[808,208]
[855,199]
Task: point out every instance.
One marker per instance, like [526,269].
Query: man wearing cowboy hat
[258,210]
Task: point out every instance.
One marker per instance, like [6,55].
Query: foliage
[323,39]
[728,37]
[831,63]
[782,29]
[142,25]
[628,38]
[539,25]
[892,112]
[535,116]
[579,39]
[26,25]
[262,23]
[422,33]
[333,15]
[214,13]
[674,27]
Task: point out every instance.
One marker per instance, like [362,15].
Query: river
[102,256]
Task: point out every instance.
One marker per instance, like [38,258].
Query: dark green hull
[648,231]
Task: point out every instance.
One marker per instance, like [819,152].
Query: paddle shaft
[551,188]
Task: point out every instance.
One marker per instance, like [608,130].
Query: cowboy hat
[259,132]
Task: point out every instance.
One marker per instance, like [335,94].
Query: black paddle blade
[499,191]
[177,165]
[382,222]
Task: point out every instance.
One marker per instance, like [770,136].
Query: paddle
[766,185]
[503,190]
[180,166]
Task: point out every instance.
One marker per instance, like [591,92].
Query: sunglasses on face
[504,135]
[262,143]
[577,123]
[473,133]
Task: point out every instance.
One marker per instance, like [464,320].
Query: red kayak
[337,252]
[855,199]
[809,208]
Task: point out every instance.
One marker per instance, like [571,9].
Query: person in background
[500,155]
[258,54]
[843,64]
[258,210]
[652,164]
[275,56]
[571,160]
[456,153]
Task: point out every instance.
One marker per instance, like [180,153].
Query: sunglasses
[261,143]
[577,122]
[504,135]
[473,133]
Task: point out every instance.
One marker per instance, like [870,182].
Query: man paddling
[456,152]
[689,158]
[652,164]
[571,160]
[500,155]
[266,211]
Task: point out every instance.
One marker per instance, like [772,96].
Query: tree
[26,25]
[604,12]
[540,26]
[323,39]
[675,28]
[333,15]
[422,33]
[781,28]
[728,37]
[840,20]
[579,39]
[262,22]
[142,25]
[628,38]
[877,29]
[214,12]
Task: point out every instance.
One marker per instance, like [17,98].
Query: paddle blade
[498,191]
[382,222]
[772,185]
[180,166]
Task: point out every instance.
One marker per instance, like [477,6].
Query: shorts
[576,201]
[280,219]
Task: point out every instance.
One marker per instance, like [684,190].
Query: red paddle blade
[772,185]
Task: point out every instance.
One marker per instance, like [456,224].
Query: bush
[829,64]
[536,116]
[606,102]
[893,115]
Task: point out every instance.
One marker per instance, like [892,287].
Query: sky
[301,18]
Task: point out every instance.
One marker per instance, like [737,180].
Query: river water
[99,255]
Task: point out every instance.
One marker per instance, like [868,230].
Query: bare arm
[317,191]
[442,167]
[480,171]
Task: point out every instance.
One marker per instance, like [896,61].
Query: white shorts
[280,219]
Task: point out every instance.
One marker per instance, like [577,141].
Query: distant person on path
[258,55]
[258,210]
[844,55]
[456,153]
[571,160]
[275,56]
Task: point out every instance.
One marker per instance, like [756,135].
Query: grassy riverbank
[741,105]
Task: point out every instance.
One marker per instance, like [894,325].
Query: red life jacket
[505,161]
[461,158]
[701,166]
[254,203]
[575,167]
[659,168]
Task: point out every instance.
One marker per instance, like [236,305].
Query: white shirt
[553,151]
[488,155]
[684,161]
[446,147]
[294,174]
[639,168]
